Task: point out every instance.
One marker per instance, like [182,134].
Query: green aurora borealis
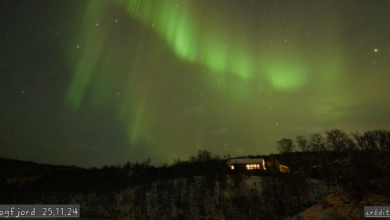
[227,76]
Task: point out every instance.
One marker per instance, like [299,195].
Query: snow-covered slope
[339,206]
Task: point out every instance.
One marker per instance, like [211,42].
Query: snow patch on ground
[334,207]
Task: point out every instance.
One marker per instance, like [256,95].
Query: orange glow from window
[252,166]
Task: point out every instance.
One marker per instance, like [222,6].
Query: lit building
[246,163]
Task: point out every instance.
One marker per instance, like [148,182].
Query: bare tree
[222,180]
[376,140]
[285,146]
[338,141]
[200,195]
[303,144]
[162,201]
[108,203]
[239,192]
[317,142]
[384,140]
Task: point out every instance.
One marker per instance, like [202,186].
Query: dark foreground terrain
[333,175]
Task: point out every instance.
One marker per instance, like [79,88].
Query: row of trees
[356,163]
[337,140]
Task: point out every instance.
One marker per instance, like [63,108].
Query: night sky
[89,83]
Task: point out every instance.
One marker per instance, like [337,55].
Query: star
[375,50]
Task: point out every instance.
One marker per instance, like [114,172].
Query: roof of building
[245,160]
